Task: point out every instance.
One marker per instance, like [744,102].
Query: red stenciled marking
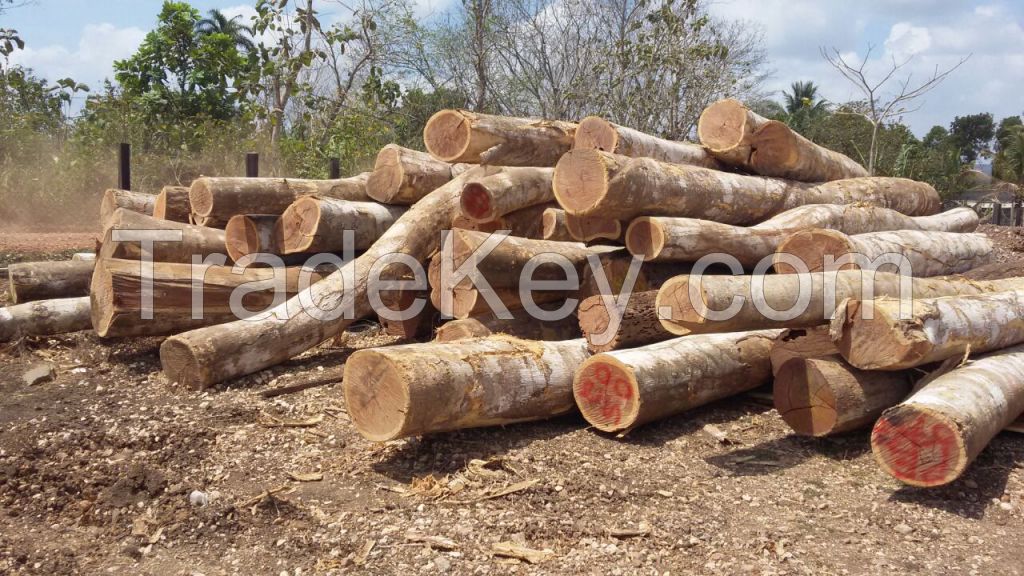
[605,395]
[906,445]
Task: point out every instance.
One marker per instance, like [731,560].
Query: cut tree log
[315,224]
[681,315]
[522,325]
[418,389]
[403,176]
[554,225]
[195,240]
[420,324]
[47,280]
[595,132]
[135,201]
[504,190]
[172,204]
[931,438]
[620,390]
[84,256]
[596,183]
[814,342]
[825,396]
[638,324]
[593,228]
[464,136]
[215,200]
[217,353]
[739,137]
[253,234]
[663,239]
[117,302]
[44,318]
[924,253]
[895,335]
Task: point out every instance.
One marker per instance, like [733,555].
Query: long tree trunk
[315,224]
[418,389]
[781,291]
[739,137]
[403,176]
[44,318]
[464,136]
[638,324]
[504,190]
[172,204]
[595,183]
[215,200]
[135,201]
[522,325]
[824,396]
[623,389]
[46,280]
[931,438]
[924,253]
[888,338]
[195,240]
[597,133]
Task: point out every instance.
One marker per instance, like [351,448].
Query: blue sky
[81,38]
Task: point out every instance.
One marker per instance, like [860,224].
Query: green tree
[803,107]
[972,134]
[1004,136]
[217,23]
[1014,154]
[935,137]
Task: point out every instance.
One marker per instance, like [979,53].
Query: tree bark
[621,390]
[739,137]
[403,176]
[554,225]
[814,342]
[597,133]
[936,329]
[464,136]
[927,253]
[931,438]
[172,204]
[639,324]
[215,200]
[314,224]
[195,240]
[47,280]
[418,389]
[44,318]
[420,324]
[681,315]
[505,190]
[135,201]
[825,396]
[595,183]
[521,326]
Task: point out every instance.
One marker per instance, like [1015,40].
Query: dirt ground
[109,469]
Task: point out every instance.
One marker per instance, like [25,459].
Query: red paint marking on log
[605,395]
[905,444]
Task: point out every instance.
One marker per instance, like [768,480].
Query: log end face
[678,314]
[200,197]
[476,203]
[101,299]
[377,396]
[160,205]
[870,339]
[776,153]
[595,132]
[723,125]
[240,237]
[812,248]
[645,238]
[385,182]
[180,364]
[298,225]
[581,180]
[803,398]
[607,394]
[447,135]
[919,446]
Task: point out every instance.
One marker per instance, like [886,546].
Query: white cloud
[91,62]
[905,40]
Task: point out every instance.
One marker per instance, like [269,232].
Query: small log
[195,240]
[418,389]
[825,396]
[464,136]
[554,225]
[638,326]
[215,200]
[521,326]
[621,390]
[524,223]
[927,253]
[135,201]
[682,315]
[253,234]
[403,176]
[83,257]
[595,132]
[505,190]
[737,136]
[44,318]
[934,330]
[314,224]
[814,342]
[172,204]
[931,438]
[420,324]
[47,280]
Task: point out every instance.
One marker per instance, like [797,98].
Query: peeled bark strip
[681,315]
[812,342]
[931,438]
[215,200]
[623,389]
[464,136]
[116,295]
[417,389]
[315,224]
[662,239]
[737,136]
[596,132]
[937,329]
[403,176]
[46,280]
[135,201]
[824,396]
[253,234]
[638,326]
[44,318]
[504,190]
[216,353]
[595,183]
[172,204]
[554,225]
[927,253]
[522,325]
[195,240]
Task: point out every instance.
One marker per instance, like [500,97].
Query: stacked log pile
[592,298]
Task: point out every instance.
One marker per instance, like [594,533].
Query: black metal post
[334,169]
[252,165]
[997,213]
[124,166]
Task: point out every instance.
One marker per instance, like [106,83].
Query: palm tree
[218,23]
[803,107]
[1014,152]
